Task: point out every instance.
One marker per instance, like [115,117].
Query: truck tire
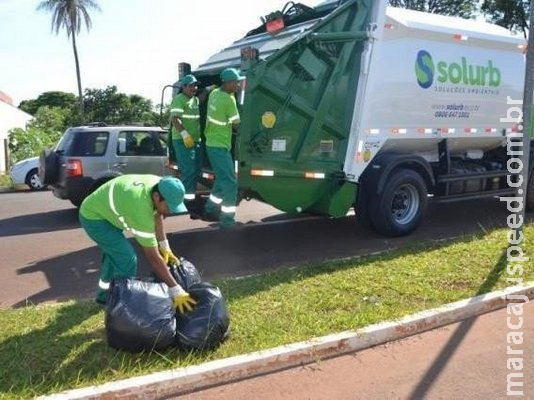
[399,210]
[48,167]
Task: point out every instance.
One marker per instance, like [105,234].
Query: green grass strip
[50,348]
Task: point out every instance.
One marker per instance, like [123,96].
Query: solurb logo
[424,69]
[456,73]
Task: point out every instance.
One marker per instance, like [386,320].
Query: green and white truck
[356,104]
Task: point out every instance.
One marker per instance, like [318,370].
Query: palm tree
[71,14]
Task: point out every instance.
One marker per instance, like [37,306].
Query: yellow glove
[188,139]
[167,254]
[182,300]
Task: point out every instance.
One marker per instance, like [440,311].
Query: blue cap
[231,74]
[173,191]
[188,80]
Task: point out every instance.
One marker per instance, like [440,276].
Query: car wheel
[33,181]
[48,167]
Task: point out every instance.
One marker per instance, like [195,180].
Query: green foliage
[455,8]
[114,108]
[51,99]
[41,132]
[511,14]
[5,181]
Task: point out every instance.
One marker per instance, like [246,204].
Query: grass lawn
[49,348]
[5,181]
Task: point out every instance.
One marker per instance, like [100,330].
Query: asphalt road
[45,255]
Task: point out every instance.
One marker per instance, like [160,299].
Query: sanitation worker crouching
[137,203]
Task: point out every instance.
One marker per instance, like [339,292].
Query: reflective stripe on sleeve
[228,209]
[234,118]
[216,122]
[110,198]
[143,235]
[190,116]
[189,197]
[177,110]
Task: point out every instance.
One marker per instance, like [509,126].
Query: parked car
[87,156]
[26,172]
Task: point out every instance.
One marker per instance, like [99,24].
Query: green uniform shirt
[126,202]
[222,113]
[186,109]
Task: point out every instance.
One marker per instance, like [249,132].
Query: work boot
[194,207]
[102,296]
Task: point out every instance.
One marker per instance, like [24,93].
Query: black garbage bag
[208,324]
[185,274]
[139,316]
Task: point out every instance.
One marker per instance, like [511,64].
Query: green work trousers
[118,255]
[224,191]
[189,162]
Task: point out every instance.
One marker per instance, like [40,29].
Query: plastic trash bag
[186,275]
[208,324]
[139,316]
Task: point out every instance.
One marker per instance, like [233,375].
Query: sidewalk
[465,360]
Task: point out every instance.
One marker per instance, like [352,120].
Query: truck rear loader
[356,104]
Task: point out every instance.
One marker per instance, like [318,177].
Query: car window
[84,143]
[140,143]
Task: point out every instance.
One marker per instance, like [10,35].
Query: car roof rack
[97,124]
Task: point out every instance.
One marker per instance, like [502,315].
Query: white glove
[188,139]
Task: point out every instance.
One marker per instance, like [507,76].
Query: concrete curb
[184,380]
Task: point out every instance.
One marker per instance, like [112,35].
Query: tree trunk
[77,62]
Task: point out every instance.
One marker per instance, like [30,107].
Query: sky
[133,44]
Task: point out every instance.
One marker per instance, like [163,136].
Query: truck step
[474,195]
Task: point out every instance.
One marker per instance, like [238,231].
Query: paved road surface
[466,360]
[45,255]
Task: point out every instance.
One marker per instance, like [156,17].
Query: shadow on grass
[35,360]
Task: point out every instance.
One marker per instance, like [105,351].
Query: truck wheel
[399,210]
[48,167]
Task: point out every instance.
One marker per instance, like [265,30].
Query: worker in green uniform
[185,133]
[136,203]
[222,119]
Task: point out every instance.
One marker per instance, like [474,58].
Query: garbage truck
[355,104]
